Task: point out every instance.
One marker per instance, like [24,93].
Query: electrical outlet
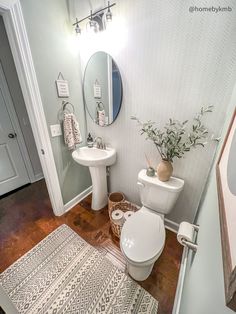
[55,130]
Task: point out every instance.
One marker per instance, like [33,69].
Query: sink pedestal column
[99,182]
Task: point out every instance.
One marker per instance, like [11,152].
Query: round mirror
[102,88]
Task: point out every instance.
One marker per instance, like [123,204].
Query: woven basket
[113,199]
[124,206]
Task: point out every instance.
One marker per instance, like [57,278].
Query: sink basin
[97,160]
[93,157]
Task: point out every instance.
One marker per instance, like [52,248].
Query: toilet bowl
[143,239]
[143,234]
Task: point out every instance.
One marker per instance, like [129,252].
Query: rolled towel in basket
[128,214]
[118,217]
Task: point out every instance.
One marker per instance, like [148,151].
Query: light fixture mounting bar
[93,14]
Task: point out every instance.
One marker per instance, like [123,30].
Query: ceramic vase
[164,170]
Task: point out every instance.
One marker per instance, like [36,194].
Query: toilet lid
[142,236]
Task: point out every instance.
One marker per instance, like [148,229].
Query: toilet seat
[143,236]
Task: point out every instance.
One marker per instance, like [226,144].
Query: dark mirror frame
[121,97]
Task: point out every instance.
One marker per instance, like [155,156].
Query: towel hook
[65,103]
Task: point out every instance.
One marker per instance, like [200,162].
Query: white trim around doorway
[15,27]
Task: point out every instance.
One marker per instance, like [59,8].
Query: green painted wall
[204,284]
[51,41]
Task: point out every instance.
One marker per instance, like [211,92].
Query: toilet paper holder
[191,245]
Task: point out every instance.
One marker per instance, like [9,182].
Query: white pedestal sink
[97,160]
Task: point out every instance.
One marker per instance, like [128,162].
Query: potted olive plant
[175,139]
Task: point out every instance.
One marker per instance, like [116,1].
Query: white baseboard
[77,199]
[171,225]
[179,290]
[37,177]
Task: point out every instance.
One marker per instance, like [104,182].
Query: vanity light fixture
[109,14]
[77,28]
[95,19]
[92,25]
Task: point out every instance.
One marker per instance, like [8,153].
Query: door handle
[12,135]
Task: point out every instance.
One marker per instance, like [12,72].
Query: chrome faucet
[99,143]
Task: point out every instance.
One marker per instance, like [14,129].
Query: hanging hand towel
[72,135]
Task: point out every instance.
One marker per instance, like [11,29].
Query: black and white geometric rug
[64,274]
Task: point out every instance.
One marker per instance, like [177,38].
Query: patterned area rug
[64,274]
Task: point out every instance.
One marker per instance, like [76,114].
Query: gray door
[13,173]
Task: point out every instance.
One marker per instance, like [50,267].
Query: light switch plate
[55,130]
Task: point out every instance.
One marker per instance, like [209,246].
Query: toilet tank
[157,195]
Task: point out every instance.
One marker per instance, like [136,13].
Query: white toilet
[143,234]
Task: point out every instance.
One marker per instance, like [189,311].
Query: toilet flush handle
[140,184]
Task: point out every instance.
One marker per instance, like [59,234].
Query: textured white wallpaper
[172,62]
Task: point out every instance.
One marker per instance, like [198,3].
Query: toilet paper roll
[118,217]
[128,214]
[186,232]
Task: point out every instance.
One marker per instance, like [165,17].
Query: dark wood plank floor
[26,217]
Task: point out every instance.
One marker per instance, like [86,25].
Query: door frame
[16,31]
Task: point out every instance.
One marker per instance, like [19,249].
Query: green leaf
[174,140]
[200,144]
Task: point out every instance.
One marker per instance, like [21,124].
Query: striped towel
[72,135]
